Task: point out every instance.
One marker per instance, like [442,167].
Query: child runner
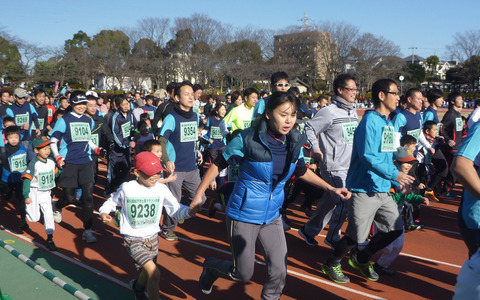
[404,161]
[14,163]
[38,181]
[142,201]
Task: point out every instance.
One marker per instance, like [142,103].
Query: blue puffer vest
[254,198]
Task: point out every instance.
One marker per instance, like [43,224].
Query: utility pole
[413,53]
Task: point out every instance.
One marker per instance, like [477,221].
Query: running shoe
[88,236]
[51,245]
[365,269]
[207,278]
[169,235]
[139,295]
[57,213]
[310,240]
[383,270]
[335,273]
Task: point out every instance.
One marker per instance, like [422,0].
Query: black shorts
[74,176]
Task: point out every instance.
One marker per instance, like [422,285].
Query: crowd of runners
[256,151]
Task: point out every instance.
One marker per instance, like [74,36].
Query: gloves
[101,152]
[59,160]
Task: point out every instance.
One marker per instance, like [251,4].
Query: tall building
[311,50]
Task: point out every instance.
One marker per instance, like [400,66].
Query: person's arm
[211,174]
[316,126]
[313,179]
[464,171]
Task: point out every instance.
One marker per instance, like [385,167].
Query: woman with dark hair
[267,155]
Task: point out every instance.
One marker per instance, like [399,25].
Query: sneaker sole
[305,238]
[353,265]
[332,279]
[206,292]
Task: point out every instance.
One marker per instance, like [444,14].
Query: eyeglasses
[282,84]
[393,93]
[350,89]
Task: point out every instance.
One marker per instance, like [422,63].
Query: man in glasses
[278,83]
[330,132]
[370,177]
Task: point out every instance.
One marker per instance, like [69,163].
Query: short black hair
[452,97]
[148,145]
[381,85]
[428,125]
[197,87]
[38,91]
[8,119]
[180,85]
[433,95]
[277,76]
[341,81]
[171,87]
[247,92]
[11,130]
[407,140]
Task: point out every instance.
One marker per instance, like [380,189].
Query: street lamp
[401,78]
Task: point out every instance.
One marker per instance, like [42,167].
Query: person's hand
[451,143]
[170,166]
[26,126]
[106,218]
[101,152]
[60,161]
[421,186]
[317,155]
[342,192]
[199,158]
[425,201]
[431,150]
[313,167]
[404,179]
[28,200]
[171,178]
[196,203]
[132,144]
[38,132]
[213,185]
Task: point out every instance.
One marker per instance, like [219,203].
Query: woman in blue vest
[267,155]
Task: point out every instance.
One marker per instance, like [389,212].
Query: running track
[426,269]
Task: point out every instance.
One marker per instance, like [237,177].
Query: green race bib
[415,133]
[308,160]
[41,123]
[388,139]
[80,132]
[126,129]
[151,114]
[188,132]
[94,139]
[142,211]
[247,124]
[302,127]
[439,127]
[348,131]
[18,163]
[46,180]
[232,173]
[21,119]
[215,133]
[458,124]
[50,112]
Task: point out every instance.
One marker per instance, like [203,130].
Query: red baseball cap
[148,163]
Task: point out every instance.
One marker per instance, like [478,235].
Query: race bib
[41,123]
[151,114]
[46,180]
[188,132]
[458,124]
[302,127]
[21,119]
[439,128]
[232,173]
[126,129]
[247,124]
[415,133]
[142,211]
[388,139]
[50,112]
[94,139]
[80,132]
[308,160]
[215,133]
[18,163]
[348,131]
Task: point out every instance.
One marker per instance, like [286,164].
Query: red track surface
[427,268]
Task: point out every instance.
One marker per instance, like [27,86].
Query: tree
[110,48]
[367,52]
[432,62]
[10,61]
[77,52]
[465,45]
[154,29]
[415,73]
[202,29]
[472,70]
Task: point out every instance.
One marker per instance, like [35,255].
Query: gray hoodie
[331,130]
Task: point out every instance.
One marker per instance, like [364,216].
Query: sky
[427,25]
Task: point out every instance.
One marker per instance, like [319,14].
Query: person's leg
[87,205]
[45,205]
[190,183]
[33,209]
[272,238]
[391,252]
[151,272]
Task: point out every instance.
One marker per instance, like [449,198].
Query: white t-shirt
[142,208]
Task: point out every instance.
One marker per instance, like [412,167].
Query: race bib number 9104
[80,132]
